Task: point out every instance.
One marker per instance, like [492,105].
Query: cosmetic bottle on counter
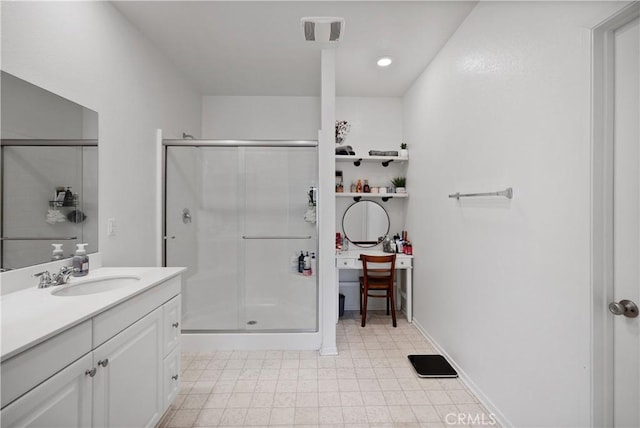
[80,261]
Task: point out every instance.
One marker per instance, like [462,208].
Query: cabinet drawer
[171,377]
[29,368]
[346,263]
[403,263]
[171,319]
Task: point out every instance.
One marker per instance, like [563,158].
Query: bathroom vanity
[101,351]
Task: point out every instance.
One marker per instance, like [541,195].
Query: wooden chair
[378,273]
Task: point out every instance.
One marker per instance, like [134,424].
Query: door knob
[624,307]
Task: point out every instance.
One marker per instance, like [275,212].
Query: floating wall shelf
[384,196]
[384,160]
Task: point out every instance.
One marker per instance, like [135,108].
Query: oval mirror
[365,223]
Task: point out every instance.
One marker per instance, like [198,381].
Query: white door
[129,379]
[63,401]
[626,216]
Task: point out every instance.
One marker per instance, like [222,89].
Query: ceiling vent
[322,29]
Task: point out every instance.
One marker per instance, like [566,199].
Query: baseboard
[464,378]
[328,351]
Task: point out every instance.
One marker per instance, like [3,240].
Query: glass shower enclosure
[238,214]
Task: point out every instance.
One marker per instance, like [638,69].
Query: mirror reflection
[365,223]
[49,158]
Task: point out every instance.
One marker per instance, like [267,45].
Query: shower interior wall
[237,284]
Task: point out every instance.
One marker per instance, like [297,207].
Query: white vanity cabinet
[63,401]
[127,387]
[172,313]
[128,377]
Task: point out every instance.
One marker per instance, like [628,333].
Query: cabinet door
[171,311]
[127,385]
[62,401]
[171,377]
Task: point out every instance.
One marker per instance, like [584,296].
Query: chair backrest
[378,267]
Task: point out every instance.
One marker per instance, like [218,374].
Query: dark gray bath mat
[432,366]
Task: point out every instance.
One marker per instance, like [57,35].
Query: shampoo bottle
[301,262]
[313,264]
[307,265]
[57,253]
[80,261]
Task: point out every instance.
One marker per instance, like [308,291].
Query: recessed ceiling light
[384,62]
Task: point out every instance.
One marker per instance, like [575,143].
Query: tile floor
[370,384]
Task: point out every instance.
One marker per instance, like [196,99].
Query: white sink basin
[95,285]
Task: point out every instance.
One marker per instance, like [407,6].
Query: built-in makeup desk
[351,260]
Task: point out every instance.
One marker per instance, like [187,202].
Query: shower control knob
[175,325]
[174,377]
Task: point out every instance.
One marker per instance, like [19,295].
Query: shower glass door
[235,217]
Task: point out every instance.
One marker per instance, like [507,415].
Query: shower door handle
[277,237]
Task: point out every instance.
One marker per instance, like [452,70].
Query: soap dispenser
[57,253]
[80,261]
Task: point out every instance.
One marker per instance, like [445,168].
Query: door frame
[602,97]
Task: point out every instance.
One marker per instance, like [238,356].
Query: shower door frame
[166,144]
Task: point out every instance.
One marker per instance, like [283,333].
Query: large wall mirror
[365,223]
[49,176]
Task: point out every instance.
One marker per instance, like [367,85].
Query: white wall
[260,118]
[503,286]
[87,52]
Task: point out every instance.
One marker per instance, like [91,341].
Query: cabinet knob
[90,372]
[104,363]
[175,325]
[174,377]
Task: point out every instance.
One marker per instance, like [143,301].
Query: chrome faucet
[48,279]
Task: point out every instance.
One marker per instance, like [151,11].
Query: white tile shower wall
[87,52]
[507,103]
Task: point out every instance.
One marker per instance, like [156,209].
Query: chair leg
[360,299]
[393,307]
[365,293]
[387,305]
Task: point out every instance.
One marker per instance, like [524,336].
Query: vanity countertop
[33,315]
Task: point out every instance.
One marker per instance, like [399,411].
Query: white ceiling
[257,48]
